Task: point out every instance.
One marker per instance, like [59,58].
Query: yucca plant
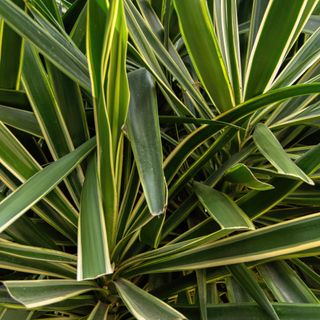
[159,159]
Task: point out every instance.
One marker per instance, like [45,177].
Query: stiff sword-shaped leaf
[258,11]
[143,305]
[8,314]
[14,98]
[272,241]
[226,22]
[48,113]
[93,252]
[247,280]
[38,293]
[14,262]
[11,48]
[23,166]
[145,38]
[144,135]
[200,135]
[106,38]
[20,119]
[279,27]
[271,148]
[202,293]
[285,284]
[117,94]
[36,253]
[99,312]
[60,52]
[40,184]
[244,311]
[308,54]
[198,33]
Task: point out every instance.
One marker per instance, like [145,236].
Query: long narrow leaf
[93,253]
[143,305]
[144,134]
[12,207]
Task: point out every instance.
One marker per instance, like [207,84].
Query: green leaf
[11,49]
[312,25]
[14,98]
[36,253]
[146,39]
[48,113]
[38,293]
[308,55]
[143,305]
[93,252]
[69,100]
[236,293]
[117,94]
[58,49]
[144,135]
[258,11]
[198,33]
[245,311]
[21,120]
[11,314]
[280,26]
[241,174]
[272,150]
[273,241]
[197,137]
[222,208]
[226,22]
[23,264]
[19,161]
[247,280]
[285,284]
[106,48]
[255,205]
[40,184]
[150,234]
[99,312]
[308,271]
[310,114]
[202,293]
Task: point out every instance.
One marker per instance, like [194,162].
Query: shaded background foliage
[159,159]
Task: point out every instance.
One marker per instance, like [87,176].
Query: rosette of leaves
[159,159]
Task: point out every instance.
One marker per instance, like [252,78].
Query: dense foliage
[160,159]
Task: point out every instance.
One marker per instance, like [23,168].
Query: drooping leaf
[144,135]
[241,174]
